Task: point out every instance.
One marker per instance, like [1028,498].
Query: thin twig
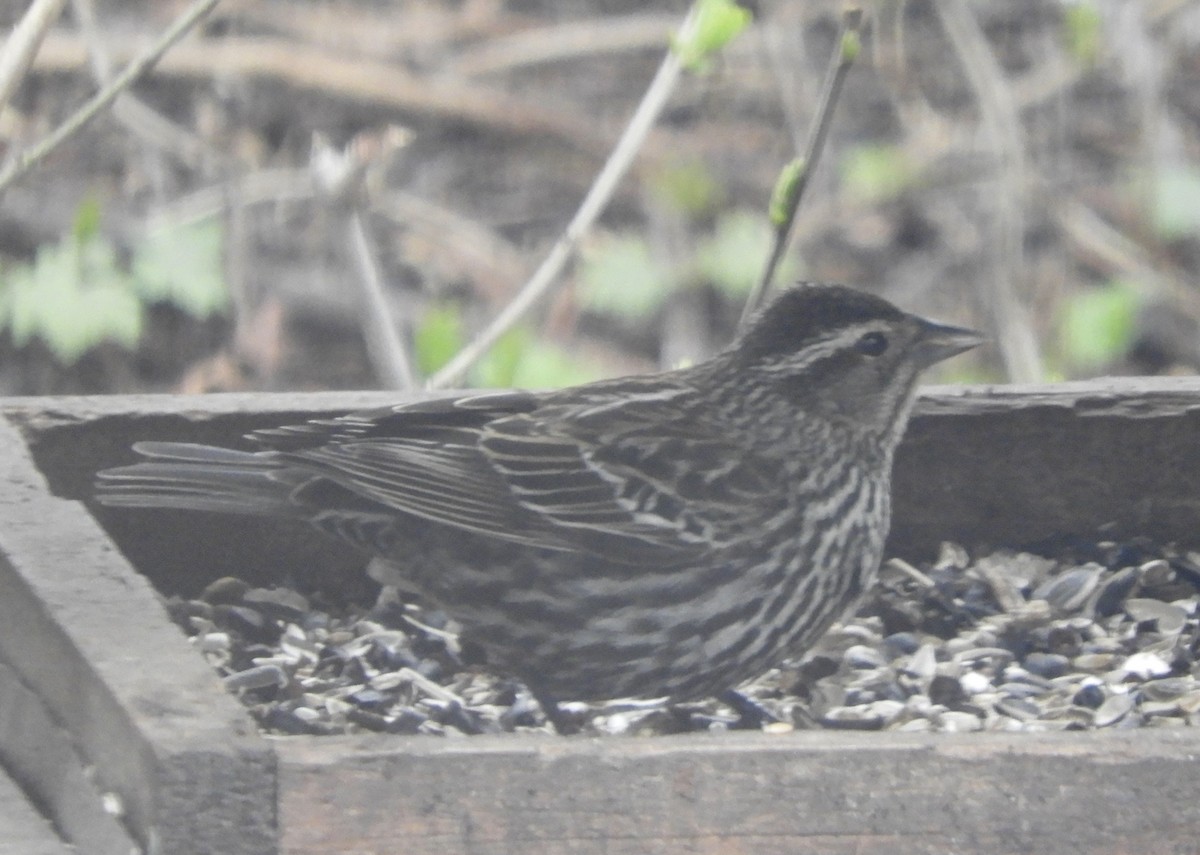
[1105,246]
[501,265]
[22,44]
[26,160]
[559,42]
[785,53]
[282,184]
[998,112]
[378,84]
[341,178]
[384,346]
[494,264]
[796,175]
[138,116]
[545,277]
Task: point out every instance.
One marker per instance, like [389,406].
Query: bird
[660,536]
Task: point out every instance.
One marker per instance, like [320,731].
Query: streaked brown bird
[669,535]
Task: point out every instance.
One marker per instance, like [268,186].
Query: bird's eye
[872,344]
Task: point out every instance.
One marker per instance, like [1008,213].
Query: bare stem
[140,118]
[547,274]
[794,179]
[383,342]
[998,113]
[21,46]
[26,160]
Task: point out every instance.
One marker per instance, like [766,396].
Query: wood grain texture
[26,831]
[1018,465]
[89,636]
[826,793]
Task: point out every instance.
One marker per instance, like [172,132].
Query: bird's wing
[626,479]
[647,472]
[431,420]
[421,458]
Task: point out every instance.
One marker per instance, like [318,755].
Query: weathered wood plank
[90,637]
[824,793]
[1017,465]
[39,752]
[25,830]
[994,464]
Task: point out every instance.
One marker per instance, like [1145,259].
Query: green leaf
[74,295]
[546,366]
[37,292]
[620,276]
[18,309]
[717,23]
[783,195]
[1176,212]
[104,313]
[520,360]
[438,338]
[1097,325]
[87,219]
[1083,31]
[851,46]
[182,265]
[72,298]
[498,367]
[877,173]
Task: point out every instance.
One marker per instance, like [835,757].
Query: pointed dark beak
[936,342]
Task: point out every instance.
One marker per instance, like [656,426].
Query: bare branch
[386,350]
[23,43]
[1014,333]
[545,277]
[794,178]
[26,160]
[142,119]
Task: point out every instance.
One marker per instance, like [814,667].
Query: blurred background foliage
[1029,167]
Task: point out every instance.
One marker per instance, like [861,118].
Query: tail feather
[200,477]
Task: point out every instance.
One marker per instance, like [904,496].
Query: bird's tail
[202,478]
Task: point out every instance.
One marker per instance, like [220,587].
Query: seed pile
[1102,635]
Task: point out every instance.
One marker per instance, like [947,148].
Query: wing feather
[601,474]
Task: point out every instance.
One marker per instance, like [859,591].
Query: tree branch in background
[1014,333]
[340,177]
[387,351]
[143,120]
[31,157]
[793,179]
[548,273]
[22,45]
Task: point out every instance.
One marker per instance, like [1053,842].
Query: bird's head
[842,354]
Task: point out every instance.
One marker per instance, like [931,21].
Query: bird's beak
[936,342]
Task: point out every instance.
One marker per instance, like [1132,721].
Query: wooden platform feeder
[116,736]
